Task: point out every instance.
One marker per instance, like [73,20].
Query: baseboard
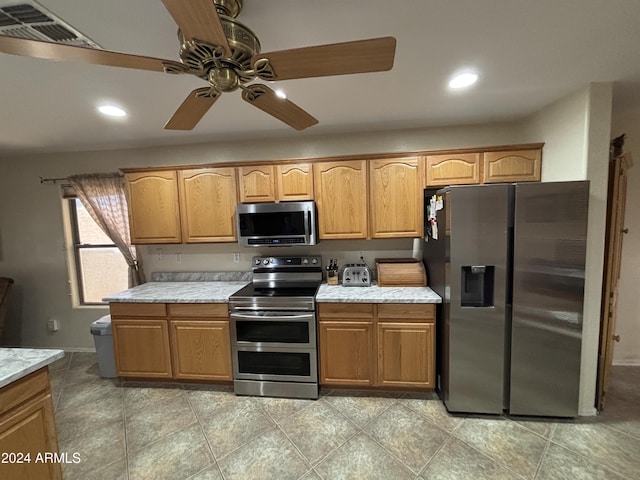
[630,363]
[588,412]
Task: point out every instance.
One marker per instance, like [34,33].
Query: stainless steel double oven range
[273,329]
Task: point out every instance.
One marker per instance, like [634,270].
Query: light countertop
[376,294]
[178,292]
[16,363]
[219,292]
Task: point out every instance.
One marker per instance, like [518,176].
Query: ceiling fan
[225,53]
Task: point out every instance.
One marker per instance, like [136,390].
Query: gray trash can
[101,330]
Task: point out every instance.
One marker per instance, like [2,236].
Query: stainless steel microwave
[276,224]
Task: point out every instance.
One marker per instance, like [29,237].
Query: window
[100,267]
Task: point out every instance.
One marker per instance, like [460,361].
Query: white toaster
[356,275]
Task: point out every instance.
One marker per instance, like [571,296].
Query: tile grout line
[485,454]
[544,453]
[206,439]
[124,433]
[581,455]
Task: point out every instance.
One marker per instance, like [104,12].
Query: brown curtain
[102,194]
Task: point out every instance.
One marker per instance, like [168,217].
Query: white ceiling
[528,53]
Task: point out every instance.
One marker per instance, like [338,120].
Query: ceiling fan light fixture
[112,111]
[463,80]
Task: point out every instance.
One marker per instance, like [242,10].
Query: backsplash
[201,276]
[220,258]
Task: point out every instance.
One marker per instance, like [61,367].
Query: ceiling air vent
[28,19]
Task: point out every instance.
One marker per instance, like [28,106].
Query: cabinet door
[257,184]
[396,198]
[201,349]
[208,201]
[154,214]
[295,182]
[406,354]
[514,166]
[30,430]
[341,198]
[453,169]
[141,347]
[346,353]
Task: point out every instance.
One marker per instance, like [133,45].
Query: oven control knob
[257,261]
[305,261]
[314,261]
[265,261]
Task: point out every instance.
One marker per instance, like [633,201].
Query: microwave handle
[308,214]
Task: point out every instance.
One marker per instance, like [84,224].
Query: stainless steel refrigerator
[508,262]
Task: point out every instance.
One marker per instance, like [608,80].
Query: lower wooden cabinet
[405,354]
[200,344]
[183,341]
[386,345]
[346,353]
[141,347]
[27,426]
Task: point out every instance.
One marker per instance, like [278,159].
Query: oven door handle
[273,316]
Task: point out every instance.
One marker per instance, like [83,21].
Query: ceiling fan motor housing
[204,59]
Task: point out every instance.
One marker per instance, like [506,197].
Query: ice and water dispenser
[477,286]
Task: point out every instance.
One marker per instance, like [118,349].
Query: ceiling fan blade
[361,56]
[192,109]
[284,110]
[68,53]
[198,19]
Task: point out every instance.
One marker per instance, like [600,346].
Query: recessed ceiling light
[281,94]
[463,80]
[112,111]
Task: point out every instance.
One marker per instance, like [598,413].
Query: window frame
[77,247]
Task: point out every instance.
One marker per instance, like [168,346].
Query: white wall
[627,352]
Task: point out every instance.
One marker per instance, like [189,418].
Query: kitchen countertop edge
[376,294]
[16,363]
[178,292]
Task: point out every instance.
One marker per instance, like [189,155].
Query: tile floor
[136,431]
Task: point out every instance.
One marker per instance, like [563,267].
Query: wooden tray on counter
[400,272]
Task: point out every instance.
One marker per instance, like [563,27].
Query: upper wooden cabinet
[257,183]
[514,166]
[208,204]
[396,199]
[453,169]
[154,214]
[508,165]
[295,182]
[341,198]
[274,183]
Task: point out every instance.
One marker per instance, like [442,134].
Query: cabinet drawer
[407,311]
[191,310]
[345,310]
[138,309]
[23,389]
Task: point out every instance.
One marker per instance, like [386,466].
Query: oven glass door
[274,329]
[275,364]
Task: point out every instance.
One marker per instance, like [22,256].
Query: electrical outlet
[360,256]
[236,257]
[52,325]
[158,254]
[178,258]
